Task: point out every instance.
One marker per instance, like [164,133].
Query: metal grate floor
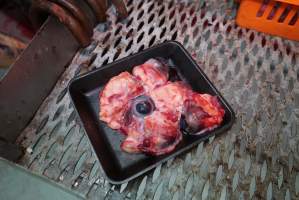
[257,73]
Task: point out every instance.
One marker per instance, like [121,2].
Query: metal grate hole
[140,5]
[58,112]
[273,11]
[172,25]
[129,3]
[161,10]
[129,46]
[162,22]
[203,5]
[275,45]
[106,38]
[141,48]
[183,17]
[228,29]
[284,14]
[62,94]
[272,67]
[288,49]
[150,30]
[152,41]
[192,10]
[105,50]
[280,57]
[205,24]
[150,19]
[130,22]
[184,28]
[77,72]
[118,30]
[130,11]
[251,37]
[294,19]
[262,9]
[117,42]
[198,41]
[140,26]
[224,22]
[129,34]
[116,55]
[294,60]
[214,17]
[88,51]
[195,32]
[151,7]
[186,39]
[174,36]
[264,41]
[140,37]
[162,33]
[240,33]
[170,4]
[172,14]
[140,14]
[182,5]
[194,20]
[106,61]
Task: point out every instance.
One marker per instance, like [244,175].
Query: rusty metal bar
[73,7]
[97,9]
[64,17]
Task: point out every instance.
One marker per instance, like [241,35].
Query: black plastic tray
[117,165]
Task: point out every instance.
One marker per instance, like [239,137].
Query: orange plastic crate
[277,17]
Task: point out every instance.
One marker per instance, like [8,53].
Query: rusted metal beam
[98,9]
[33,75]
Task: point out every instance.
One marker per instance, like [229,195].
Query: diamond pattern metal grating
[257,73]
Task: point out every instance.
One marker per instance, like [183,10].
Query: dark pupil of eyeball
[144,107]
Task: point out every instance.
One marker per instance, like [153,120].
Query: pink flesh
[115,97]
[152,74]
[158,132]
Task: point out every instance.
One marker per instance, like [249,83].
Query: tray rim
[171,155]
